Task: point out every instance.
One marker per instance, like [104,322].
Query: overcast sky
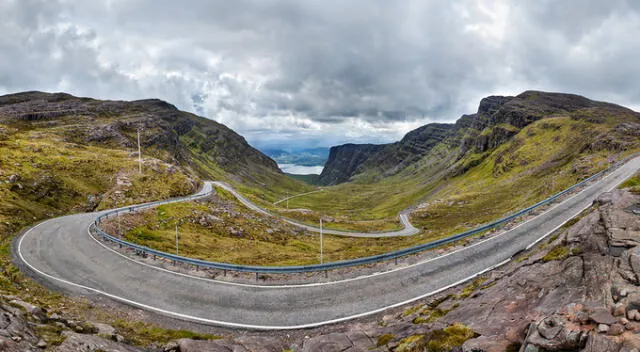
[319,73]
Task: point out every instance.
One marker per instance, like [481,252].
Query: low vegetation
[633,183]
[540,160]
[144,334]
[221,229]
[445,340]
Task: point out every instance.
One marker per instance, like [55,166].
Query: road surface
[61,252]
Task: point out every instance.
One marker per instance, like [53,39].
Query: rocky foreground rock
[577,292]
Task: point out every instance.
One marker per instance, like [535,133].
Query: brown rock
[603,328]
[616,329]
[360,340]
[335,342]
[31,309]
[619,310]
[601,343]
[486,344]
[563,339]
[631,342]
[550,327]
[261,343]
[188,345]
[602,316]
[82,342]
[104,329]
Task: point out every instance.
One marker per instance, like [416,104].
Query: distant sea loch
[300,169]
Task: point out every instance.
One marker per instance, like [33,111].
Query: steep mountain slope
[512,152]
[345,160]
[167,131]
[61,154]
[496,121]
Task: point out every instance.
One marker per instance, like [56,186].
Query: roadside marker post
[139,153]
[321,244]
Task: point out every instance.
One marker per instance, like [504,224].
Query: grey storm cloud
[321,72]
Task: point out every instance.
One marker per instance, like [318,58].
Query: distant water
[301,170]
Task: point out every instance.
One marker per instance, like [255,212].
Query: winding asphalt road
[407,230]
[61,252]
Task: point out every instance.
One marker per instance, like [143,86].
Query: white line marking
[262,327]
[240,325]
[363,276]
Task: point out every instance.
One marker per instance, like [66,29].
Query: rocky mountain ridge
[497,120]
[166,131]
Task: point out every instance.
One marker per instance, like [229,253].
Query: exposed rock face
[15,334]
[18,318]
[497,120]
[415,145]
[82,342]
[344,160]
[534,305]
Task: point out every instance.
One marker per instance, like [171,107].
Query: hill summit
[497,120]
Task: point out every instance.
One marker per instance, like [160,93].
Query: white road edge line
[239,325]
[263,327]
[358,277]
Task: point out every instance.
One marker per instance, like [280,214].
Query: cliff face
[497,120]
[344,160]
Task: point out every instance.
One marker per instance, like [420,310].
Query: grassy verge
[633,183]
[42,175]
[213,231]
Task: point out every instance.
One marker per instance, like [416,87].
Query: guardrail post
[326,274]
[154,257]
[396,260]
[197,267]
[225,272]
[256,277]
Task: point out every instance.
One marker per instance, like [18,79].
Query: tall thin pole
[177,239]
[287,200]
[321,249]
[118,215]
[139,153]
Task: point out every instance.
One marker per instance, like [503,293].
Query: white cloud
[321,72]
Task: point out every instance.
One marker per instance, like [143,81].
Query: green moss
[143,334]
[449,338]
[383,340]
[50,333]
[633,184]
[444,340]
[557,253]
[410,343]
[469,289]
[412,310]
[431,314]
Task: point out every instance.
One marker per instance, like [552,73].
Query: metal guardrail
[332,265]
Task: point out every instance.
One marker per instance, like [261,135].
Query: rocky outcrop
[344,160]
[19,321]
[15,333]
[414,146]
[586,300]
[497,120]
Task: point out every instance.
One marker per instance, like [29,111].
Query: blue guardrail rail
[327,266]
